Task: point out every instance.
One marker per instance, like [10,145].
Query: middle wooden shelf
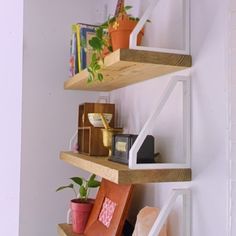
[121,174]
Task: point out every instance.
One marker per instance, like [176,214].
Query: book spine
[74,51]
[78,47]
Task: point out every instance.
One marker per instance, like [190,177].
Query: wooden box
[90,140]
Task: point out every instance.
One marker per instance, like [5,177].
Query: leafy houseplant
[111,35]
[81,206]
[84,186]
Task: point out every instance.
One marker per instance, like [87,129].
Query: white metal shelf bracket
[144,18]
[166,209]
[148,126]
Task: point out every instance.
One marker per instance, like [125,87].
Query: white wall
[232,114]
[49,112]
[11,25]
[209,119]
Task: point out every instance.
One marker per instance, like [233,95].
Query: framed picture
[110,209]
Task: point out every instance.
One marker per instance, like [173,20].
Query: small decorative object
[122,143]
[145,220]
[96,120]
[110,209]
[81,206]
[108,133]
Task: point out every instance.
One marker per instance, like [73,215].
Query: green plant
[98,43]
[81,186]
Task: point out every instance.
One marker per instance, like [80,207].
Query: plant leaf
[95,43]
[64,187]
[90,70]
[127,8]
[99,33]
[77,180]
[90,78]
[92,177]
[94,57]
[82,191]
[97,67]
[93,183]
[100,76]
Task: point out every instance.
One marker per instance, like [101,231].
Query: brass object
[107,133]
[107,136]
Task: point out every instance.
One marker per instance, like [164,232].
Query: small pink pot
[80,213]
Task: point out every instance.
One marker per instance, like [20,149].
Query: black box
[122,143]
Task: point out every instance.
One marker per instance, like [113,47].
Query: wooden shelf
[66,230]
[121,174]
[127,66]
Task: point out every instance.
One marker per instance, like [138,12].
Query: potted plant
[81,205]
[120,27]
[110,36]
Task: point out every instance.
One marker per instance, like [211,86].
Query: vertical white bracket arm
[143,20]
[148,126]
[166,209]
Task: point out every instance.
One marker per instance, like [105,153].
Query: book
[86,33]
[78,46]
[73,53]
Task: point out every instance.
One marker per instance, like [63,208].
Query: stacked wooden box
[89,137]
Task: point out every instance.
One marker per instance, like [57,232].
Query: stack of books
[80,50]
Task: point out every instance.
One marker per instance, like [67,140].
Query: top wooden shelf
[127,66]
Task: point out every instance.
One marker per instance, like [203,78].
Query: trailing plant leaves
[99,33]
[82,191]
[66,186]
[77,180]
[95,43]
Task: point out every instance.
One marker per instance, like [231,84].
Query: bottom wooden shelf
[66,230]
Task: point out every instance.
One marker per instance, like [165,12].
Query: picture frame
[120,197]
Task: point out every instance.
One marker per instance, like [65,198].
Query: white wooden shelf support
[166,209]
[143,20]
[150,123]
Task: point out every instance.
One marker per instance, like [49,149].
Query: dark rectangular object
[122,143]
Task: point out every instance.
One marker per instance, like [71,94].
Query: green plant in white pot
[81,205]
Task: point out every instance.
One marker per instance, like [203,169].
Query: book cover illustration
[86,33]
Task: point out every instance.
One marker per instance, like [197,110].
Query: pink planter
[80,214]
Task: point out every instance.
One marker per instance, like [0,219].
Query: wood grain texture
[66,230]
[127,66]
[121,174]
